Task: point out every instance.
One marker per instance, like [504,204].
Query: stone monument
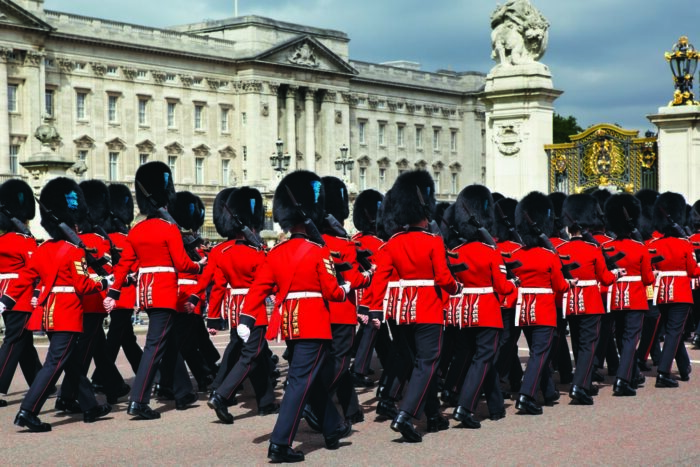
[519,98]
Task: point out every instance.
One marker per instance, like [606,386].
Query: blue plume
[316,185]
[126,200]
[191,209]
[379,205]
[428,191]
[342,193]
[72,200]
[549,213]
[486,205]
[166,176]
[20,196]
[252,205]
[201,214]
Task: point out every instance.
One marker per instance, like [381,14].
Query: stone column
[310,111]
[4,116]
[291,137]
[329,150]
[519,110]
[679,150]
[269,132]
[258,150]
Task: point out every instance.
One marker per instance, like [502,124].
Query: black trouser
[59,358]
[448,357]
[586,328]
[17,348]
[160,323]
[306,359]
[120,335]
[203,342]
[673,316]
[508,361]
[537,375]
[561,356]
[229,359]
[606,348]
[628,326]
[87,347]
[383,346]
[363,356]
[399,370]
[459,358]
[649,341]
[182,346]
[339,380]
[482,347]
[253,364]
[425,342]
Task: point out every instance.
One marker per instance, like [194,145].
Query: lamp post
[279,161]
[683,60]
[344,162]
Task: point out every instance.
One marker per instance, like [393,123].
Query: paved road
[659,426]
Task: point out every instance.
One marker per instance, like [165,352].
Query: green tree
[563,127]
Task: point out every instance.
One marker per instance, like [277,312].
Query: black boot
[387,409]
[465,418]
[333,439]
[99,411]
[312,419]
[528,405]
[623,388]
[30,421]
[138,409]
[402,424]
[580,395]
[218,404]
[67,406]
[437,422]
[664,380]
[186,401]
[282,453]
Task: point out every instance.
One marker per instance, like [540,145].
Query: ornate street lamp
[344,162]
[279,161]
[684,61]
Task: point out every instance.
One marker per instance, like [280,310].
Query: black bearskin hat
[222,220]
[307,189]
[601,195]
[474,200]
[247,204]
[581,209]
[539,208]
[189,211]
[408,208]
[615,208]
[121,203]
[366,209]
[448,228]
[647,198]
[671,205]
[337,202]
[65,201]
[694,214]
[18,198]
[386,224]
[507,206]
[156,179]
[496,196]
[97,198]
[557,199]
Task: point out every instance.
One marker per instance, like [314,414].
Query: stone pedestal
[519,113]
[679,150]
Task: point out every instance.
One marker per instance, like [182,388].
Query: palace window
[361,133]
[112,108]
[170,78]
[142,74]
[143,158]
[363,178]
[436,179]
[81,105]
[112,70]
[224,119]
[171,114]
[225,172]
[113,166]
[198,117]
[400,133]
[14,163]
[12,98]
[48,102]
[419,137]
[381,135]
[82,157]
[382,176]
[199,170]
[454,189]
[453,140]
[436,139]
[143,111]
[172,165]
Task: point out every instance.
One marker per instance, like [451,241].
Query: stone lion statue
[519,33]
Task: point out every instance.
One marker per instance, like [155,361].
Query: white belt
[580,284]
[416,283]
[153,269]
[186,282]
[612,290]
[298,295]
[233,291]
[63,289]
[661,274]
[9,275]
[477,290]
[630,279]
[587,283]
[530,291]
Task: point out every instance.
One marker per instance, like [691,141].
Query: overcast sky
[606,55]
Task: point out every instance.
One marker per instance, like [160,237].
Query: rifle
[245,230]
[311,229]
[677,228]
[486,237]
[190,239]
[514,235]
[363,258]
[334,226]
[114,252]
[19,225]
[546,243]
[510,266]
[656,258]
[70,236]
[634,234]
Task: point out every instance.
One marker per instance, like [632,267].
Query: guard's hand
[243,332]
[212,332]
[364,319]
[572,282]
[346,288]
[515,281]
[34,302]
[621,272]
[109,304]
[376,323]
[189,308]
[2,308]
[203,262]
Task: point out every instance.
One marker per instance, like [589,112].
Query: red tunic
[15,252]
[585,298]
[93,303]
[420,261]
[61,269]
[301,273]
[378,297]
[629,292]
[372,243]
[345,312]
[238,262]
[508,247]
[216,296]
[540,279]
[478,304]
[157,246]
[675,271]
[127,299]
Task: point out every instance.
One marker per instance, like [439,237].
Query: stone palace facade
[211,100]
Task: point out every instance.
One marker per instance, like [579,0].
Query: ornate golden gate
[604,156]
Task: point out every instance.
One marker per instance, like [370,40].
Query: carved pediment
[146,146]
[438,165]
[227,152]
[402,163]
[201,151]
[306,52]
[174,149]
[84,142]
[12,13]
[116,144]
[455,167]
[363,161]
[421,164]
[384,162]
